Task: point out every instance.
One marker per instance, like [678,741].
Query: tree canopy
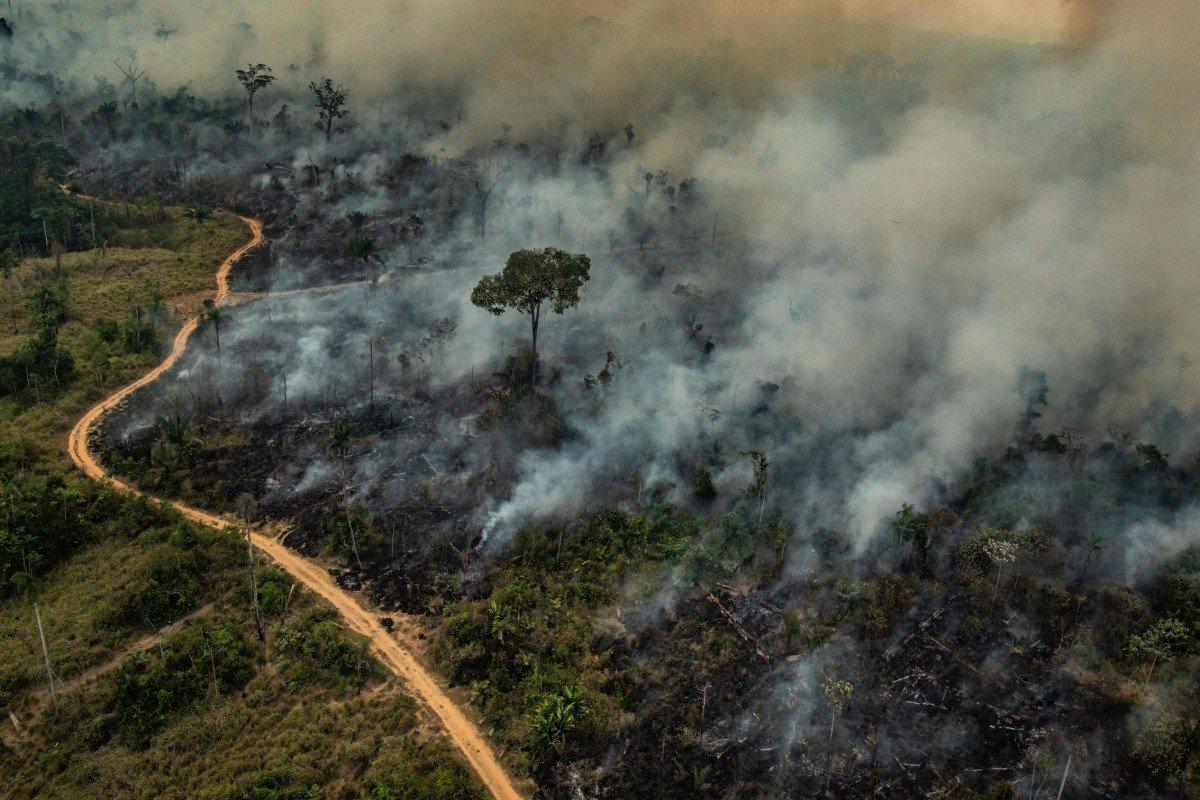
[330,100]
[531,279]
[253,78]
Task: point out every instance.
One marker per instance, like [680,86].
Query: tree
[1033,388]
[1094,544]
[253,78]
[483,171]
[258,623]
[703,488]
[837,694]
[132,76]
[365,249]
[912,528]
[107,114]
[212,313]
[759,490]
[48,304]
[1161,642]
[556,716]
[1000,552]
[198,213]
[531,278]
[8,264]
[330,101]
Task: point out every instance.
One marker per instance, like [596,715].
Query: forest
[797,402]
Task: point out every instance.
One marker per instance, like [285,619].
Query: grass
[177,263]
[90,604]
[304,724]
[307,714]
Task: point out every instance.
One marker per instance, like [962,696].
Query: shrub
[314,649]
[208,655]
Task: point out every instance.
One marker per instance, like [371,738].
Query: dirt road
[462,732]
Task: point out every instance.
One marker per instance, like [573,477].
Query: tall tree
[253,78]
[330,101]
[107,114]
[529,280]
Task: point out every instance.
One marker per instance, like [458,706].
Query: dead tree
[741,631]
[258,623]
[133,75]
[37,613]
[482,171]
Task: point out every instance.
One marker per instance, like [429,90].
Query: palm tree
[107,113]
[198,213]
[365,249]
[1094,544]
[212,313]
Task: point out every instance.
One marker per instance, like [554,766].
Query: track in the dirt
[399,659]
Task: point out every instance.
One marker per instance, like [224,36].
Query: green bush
[209,655]
[314,649]
[172,589]
[436,781]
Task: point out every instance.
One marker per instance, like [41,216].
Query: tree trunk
[483,204]
[37,612]
[1066,772]
[258,623]
[329,128]
[829,754]
[12,311]
[533,367]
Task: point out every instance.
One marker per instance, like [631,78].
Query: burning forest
[787,401]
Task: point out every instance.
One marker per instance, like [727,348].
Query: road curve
[462,732]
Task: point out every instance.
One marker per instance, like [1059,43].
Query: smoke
[560,65]
[897,288]
[901,218]
[840,233]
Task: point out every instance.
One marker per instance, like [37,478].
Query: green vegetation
[526,650]
[82,323]
[159,685]
[572,652]
[207,712]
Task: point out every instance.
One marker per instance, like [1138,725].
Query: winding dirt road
[462,732]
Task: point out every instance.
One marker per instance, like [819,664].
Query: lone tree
[330,101]
[253,78]
[529,279]
[107,114]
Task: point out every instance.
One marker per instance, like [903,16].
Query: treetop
[533,277]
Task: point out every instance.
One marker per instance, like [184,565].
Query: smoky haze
[908,203]
[884,244]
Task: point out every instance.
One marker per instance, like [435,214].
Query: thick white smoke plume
[908,204]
